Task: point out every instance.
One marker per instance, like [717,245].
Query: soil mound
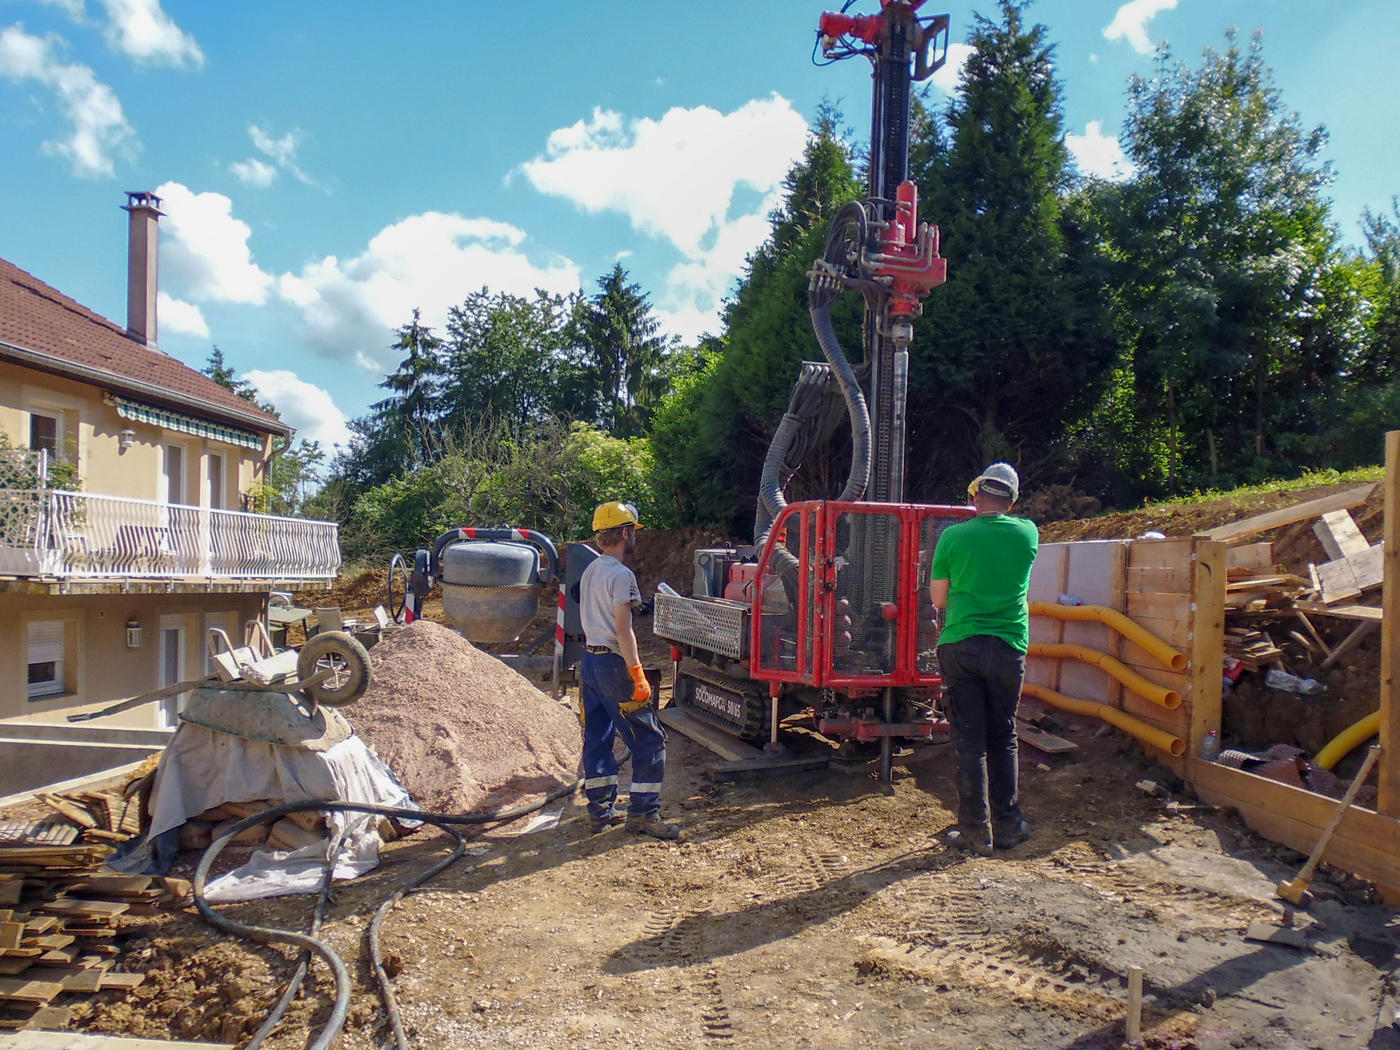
[462,731]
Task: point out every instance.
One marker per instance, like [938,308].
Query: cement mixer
[492,581]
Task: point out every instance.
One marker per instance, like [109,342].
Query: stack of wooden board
[59,926]
[1252,648]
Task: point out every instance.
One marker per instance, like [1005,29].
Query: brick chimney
[143,239]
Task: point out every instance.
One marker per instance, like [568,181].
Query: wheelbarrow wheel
[347,660]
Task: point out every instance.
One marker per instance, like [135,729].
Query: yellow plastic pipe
[1150,735]
[1134,632]
[1347,741]
[1148,690]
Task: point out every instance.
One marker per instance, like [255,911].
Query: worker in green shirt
[981,574]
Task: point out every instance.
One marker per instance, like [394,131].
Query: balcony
[76,535]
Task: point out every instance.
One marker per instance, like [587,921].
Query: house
[125,531]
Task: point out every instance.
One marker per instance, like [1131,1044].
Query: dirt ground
[821,910]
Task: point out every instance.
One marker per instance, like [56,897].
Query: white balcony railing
[48,532]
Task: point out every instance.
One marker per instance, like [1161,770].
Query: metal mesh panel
[867,549]
[713,624]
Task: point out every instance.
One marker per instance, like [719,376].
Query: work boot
[655,827]
[612,820]
[970,840]
[1013,836]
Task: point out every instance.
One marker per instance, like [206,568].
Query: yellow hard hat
[611,515]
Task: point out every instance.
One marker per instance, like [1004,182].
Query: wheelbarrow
[332,669]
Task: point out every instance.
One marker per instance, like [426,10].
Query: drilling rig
[830,613]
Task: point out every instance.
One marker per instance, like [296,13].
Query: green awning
[139,412]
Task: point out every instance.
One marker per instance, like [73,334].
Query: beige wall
[103,669]
[92,430]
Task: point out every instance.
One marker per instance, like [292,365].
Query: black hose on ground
[289,995]
[312,944]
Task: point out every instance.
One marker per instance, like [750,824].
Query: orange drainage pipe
[1145,688]
[1134,632]
[1151,735]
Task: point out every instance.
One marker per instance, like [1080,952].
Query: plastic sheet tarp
[202,768]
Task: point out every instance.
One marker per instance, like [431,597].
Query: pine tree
[1018,342]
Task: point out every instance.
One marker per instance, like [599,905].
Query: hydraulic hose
[1158,738]
[1145,688]
[1134,632]
[267,935]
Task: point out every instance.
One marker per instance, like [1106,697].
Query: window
[216,481]
[171,668]
[44,431]
[174,474]
[45,656]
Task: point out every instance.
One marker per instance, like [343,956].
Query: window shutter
[45,642]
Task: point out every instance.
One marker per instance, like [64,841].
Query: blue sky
[328,165]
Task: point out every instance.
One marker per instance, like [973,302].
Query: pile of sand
[462,731]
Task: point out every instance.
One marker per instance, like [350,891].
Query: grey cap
[999,479]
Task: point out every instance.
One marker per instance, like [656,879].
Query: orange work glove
[641,691]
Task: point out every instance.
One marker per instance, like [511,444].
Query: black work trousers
[982,678]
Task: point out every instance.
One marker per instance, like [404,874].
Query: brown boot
[655,827]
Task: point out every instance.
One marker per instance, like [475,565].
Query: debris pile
[461,730]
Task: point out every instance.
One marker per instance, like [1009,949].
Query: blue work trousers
[982,678]
[605,684]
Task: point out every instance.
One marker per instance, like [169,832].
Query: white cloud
[176,315]
[1097,154]
[141,30]
[205,249]
[253,172]
[675,177]
[946,79]
[303,405]
[1130,23]
[282,152]
[641,168]
[99,127]
[350,307]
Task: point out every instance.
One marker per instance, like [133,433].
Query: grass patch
[1311,480]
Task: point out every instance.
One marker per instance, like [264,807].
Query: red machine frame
[814,663]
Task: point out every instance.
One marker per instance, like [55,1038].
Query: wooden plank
[1274,519]
[1203,698]
[31,1025]
[10,934]
[12,965]
[1152,579]
[1043,741]
[1173,607]
[1256,557]
[1388,780]
[718,741]
[121,980]
[1365,843]
[766,765]
[1339,536]
[84,908]
[1159,554]
[1350,576]
[1343,612]
[36,993]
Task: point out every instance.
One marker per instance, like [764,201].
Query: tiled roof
[35,317]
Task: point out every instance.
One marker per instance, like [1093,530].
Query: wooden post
[1389,801]
[1207,643]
